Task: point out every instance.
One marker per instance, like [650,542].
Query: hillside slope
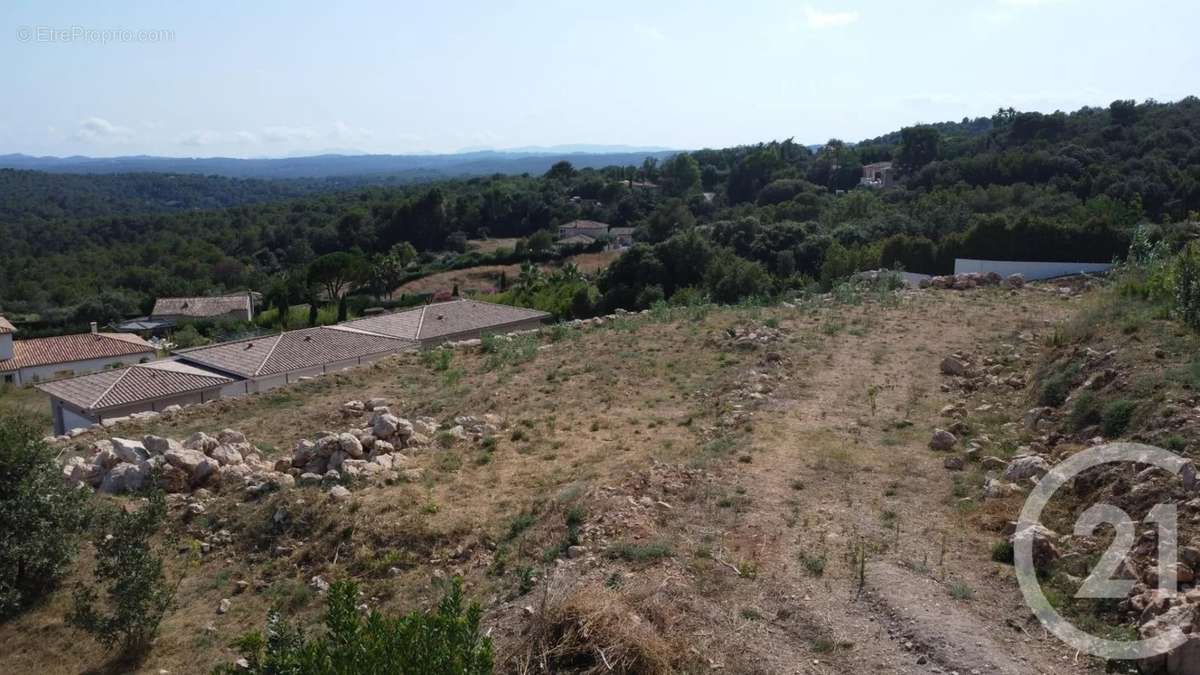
[746,489]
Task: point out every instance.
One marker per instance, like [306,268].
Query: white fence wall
[1031,270]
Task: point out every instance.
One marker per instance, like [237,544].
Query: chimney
[94,329]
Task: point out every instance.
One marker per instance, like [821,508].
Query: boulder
[350,445]
[231,437]
[158,445]
[130,451]
[201,441]
[377,403]
[954,463]
[304,452]
[426,426]
[185,459]
[308,478]
[1045,549]
[954,366]
[79,470]
[204,471]
[327,445]
[993,463]
[995,489]
[1024,467]
[1184,659]
[1014,281]
[382,448]
[125,477]
[226,455]
[942,440]
[174,480]
[385,426]
[1035,415]
[354,407]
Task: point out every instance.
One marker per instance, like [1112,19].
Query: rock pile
[228,461]
[969,280]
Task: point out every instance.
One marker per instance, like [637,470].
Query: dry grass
[590,630]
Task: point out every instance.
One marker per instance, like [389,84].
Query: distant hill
[401,167]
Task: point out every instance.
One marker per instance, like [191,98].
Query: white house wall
[54,371]
[1031,270]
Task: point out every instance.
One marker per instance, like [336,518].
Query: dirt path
[871,545]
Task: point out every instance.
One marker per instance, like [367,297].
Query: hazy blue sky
[278,78]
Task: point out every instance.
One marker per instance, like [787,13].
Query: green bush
[1116,417]
[446,641]
[1085,411]
[137,596]
[1002,552]
[41,517]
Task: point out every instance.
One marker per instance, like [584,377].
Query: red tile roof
[70,348]
[202,307]
[293,350]
[144,382]
[443,319]
[6,327]
[584,225]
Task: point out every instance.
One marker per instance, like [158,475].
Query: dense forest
[727,223]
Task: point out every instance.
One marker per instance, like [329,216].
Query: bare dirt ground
[751,487]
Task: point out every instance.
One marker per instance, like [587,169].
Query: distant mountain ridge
[415,167]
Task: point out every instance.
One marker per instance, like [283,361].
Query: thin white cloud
[100,130]
[289,134]
[207,137]
[346,132]
[816,18]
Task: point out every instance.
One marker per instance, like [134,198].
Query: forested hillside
[729,223]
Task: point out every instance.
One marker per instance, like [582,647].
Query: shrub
[1116,417]
[131,576]
[446,641]
[1002,552]
[635,552]
[1187,286]
[1085,410]
[40,517]
[1057,385]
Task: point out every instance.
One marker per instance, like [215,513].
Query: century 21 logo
[1102,582]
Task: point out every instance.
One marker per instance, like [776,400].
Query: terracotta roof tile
[69,348]
[6,327]
[292,350]
[201,307]
[444,319]
[151,381]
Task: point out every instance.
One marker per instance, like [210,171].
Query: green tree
[670,217]
[446,641]
[338,274]
[681,175]
[561,171]
[130,574]
[540,242]
[41,517]
[919,146]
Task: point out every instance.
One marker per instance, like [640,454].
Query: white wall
[56,370]
[1031,270]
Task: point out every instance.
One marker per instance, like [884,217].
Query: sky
[271,79]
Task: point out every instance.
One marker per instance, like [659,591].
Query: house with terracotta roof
[438,322]
[236,306]
[263,363]
[80,402]
[39,359]
[588,228]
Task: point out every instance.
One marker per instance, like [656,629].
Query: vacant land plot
[743,489]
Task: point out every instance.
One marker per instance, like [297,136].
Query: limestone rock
[130,451]
[1027,466]
[942,440]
